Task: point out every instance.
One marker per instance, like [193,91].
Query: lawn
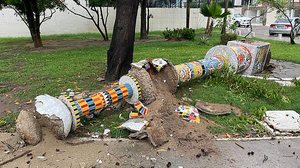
[26,73]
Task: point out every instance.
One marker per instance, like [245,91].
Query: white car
[240,20]
[283,26]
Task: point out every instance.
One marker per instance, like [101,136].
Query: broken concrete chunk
[139,135]
[28,128]
[56,112]
[135,125]
[216,109]
[157,136]
[159,63]
[140,64]
[283,121]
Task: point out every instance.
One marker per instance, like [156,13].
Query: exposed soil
[179,133]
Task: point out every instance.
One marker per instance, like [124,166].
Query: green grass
[7,123]
[27,73]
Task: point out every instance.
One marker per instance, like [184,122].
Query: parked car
[240,20]
[283,26]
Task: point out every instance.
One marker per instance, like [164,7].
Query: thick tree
[223,30]
[120,53]
[33,13]
[143,32]
[188,7]
[208,19]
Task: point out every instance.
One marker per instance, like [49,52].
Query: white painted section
[54,109]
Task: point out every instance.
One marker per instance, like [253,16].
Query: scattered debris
[159,63]
[153,160]
[100,79]
[265,158]
[217,109]
[198,155]
[140,64]
[188,113]
[42,158]
[15,157]
[282,121]
[239,146]
[139,135]
[8,147]
[106,132]
[251,153]
[135,125]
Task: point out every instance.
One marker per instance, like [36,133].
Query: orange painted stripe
[97,101]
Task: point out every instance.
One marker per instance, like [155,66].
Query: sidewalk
[128,153]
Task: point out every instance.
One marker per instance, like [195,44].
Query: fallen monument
[149,86]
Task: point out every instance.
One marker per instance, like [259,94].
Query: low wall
[66,22]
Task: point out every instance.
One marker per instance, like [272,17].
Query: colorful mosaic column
[237,58]
[128,89]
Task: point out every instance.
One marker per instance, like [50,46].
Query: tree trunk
[292,37]
[36,37]
[143,32]
[104,24]
[120,53]
[187,14]
[211,26]
[33,20]
[223,31]
[148,17]
[208,20]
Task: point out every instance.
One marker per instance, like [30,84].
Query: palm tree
[214,11]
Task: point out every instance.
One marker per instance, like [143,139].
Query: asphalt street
[263,32]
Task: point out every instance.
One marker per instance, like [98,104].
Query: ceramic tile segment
[239,57]
[87,106]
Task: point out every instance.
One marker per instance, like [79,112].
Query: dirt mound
[162,116]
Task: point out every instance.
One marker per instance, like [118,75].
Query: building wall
[67,23]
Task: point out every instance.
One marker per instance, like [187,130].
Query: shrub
[188,34]
[228,37]
[168,33]
[179,34]
[203,40]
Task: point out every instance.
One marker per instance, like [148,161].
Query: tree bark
[211,26]
[187,14]
[143,32]
[33,19]
[120,53]
[223,31]
[208,20]
[148,18]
